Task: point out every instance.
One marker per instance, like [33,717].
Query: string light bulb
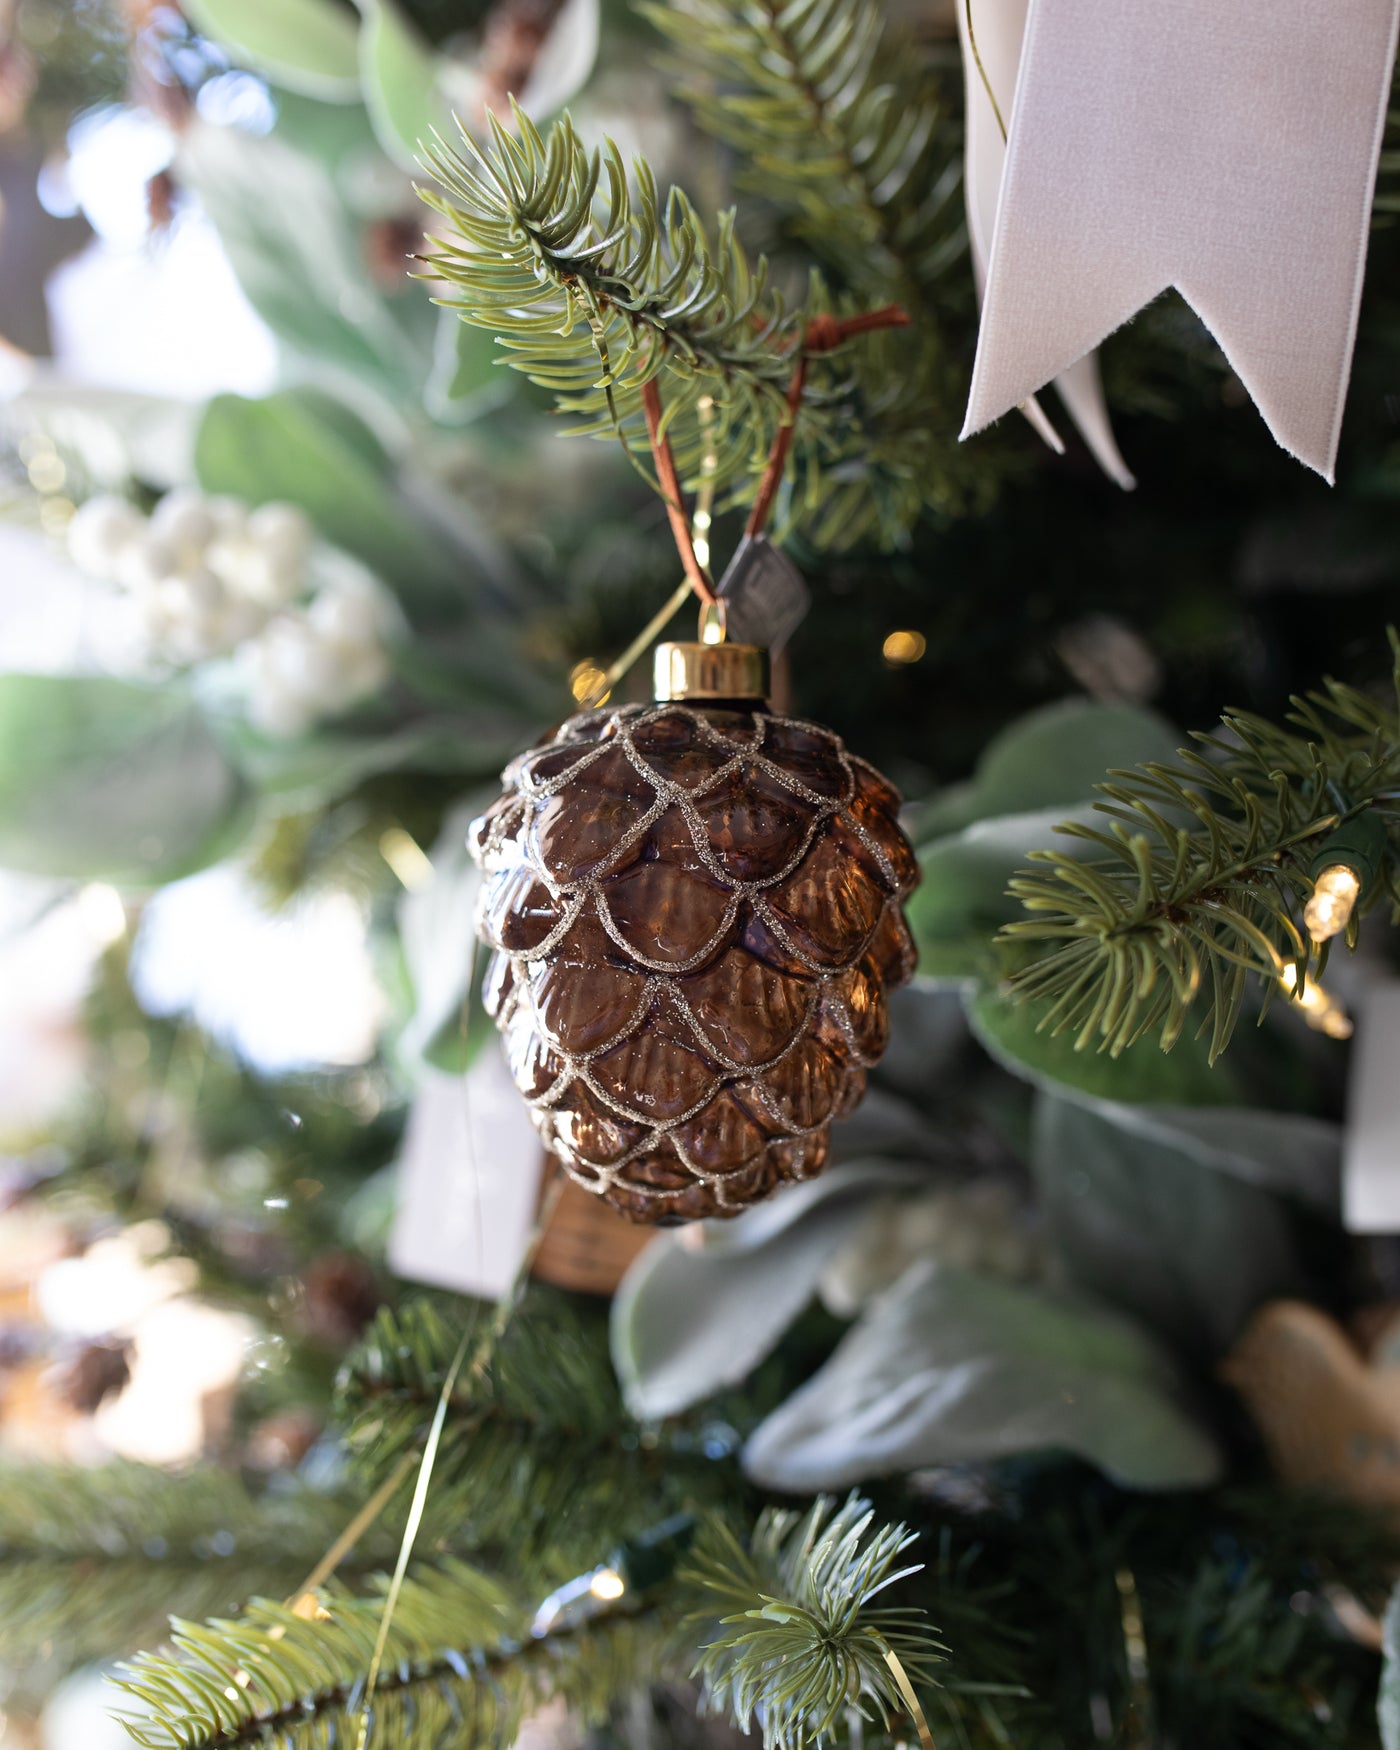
[1334,897]
[1321,1010]
[1345,866]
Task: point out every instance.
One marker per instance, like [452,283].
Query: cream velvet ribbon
[1225,147]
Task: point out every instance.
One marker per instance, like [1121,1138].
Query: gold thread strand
[911,1701]
[476,1367]
[355,1530]
[653,629]
[982,71]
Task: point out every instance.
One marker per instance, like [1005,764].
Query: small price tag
[1371,1149]
[468,1181]
[765,596]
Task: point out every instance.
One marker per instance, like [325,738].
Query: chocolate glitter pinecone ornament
[695,914]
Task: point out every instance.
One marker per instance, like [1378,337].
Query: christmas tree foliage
[1058,1408]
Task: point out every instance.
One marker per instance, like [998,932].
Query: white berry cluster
[208,578]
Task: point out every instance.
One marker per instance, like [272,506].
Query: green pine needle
[461,1671]
[833,118]
[537,1453]
[596,285]
[800,1646]
[1203,872]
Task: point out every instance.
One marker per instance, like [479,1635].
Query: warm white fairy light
[607,1584]
[1334,895]
[1322,1012]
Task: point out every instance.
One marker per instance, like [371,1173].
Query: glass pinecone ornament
[695,912]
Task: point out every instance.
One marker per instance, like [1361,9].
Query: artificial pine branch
[833,117]
[596,294]
[799,1646]
[461,1670]
[596,285]
[538,1461]
[94,1559]
[1202,871]
[842,128]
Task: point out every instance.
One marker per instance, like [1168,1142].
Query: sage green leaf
[1051,758]
[1163,1222]
[103,780]
[1388,1701]
[1142,1073]
[399,77]
[961,900]
[687,1321]
[565,58]
[465,381]
[953,1368]
[304,447]
[301,259]
[306,45]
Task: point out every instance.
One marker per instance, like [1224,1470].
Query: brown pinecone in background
[92,1372]
[696,915]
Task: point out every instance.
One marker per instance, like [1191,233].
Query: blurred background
[289,567]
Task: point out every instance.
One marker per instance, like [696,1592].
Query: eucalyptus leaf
[1388,1701]
[952,1368]
[309,770]
[565,58]
[1143,1073]
[465,381]
[399,76]
[101,779]
[302,446]
[301,258]
[1051,758]
[1163,1223]
[687,1321]
[306,45]
[961,900]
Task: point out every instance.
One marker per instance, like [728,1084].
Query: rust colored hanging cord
[695,573]
[822,334]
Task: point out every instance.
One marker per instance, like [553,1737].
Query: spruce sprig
[537,1455]
[835,119]
[596,285]
[842,128]
[93,1559]
[461,1670]
[800,1646]
[1203,871]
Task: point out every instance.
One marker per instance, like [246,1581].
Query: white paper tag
[765,596]
[468,1181]
[1371,1148]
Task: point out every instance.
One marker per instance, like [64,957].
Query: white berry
[182,520]
[99,533]
[283,531]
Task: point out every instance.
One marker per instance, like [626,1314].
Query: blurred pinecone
[93,1372]
[696,916]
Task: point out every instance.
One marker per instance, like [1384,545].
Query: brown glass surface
[695,916]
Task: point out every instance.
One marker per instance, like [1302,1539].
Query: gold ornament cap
[710,671]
